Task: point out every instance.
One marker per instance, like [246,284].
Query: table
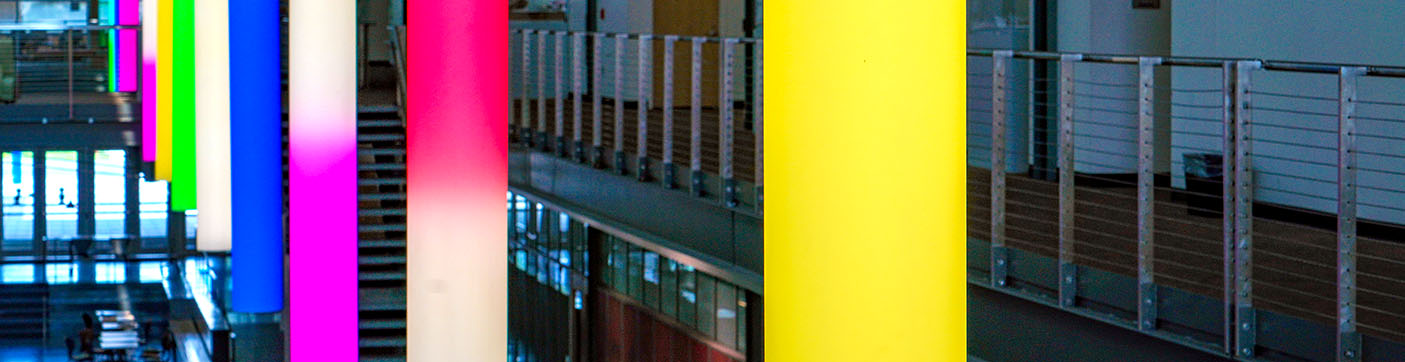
[118,336]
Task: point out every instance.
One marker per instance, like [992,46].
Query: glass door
[61,200]
[17,192]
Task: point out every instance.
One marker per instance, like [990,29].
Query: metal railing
[54,73]
[1080,168]
[645,105]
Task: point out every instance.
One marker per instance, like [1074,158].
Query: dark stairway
[22,312]
[381,170]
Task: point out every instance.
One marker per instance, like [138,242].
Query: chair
[81,356]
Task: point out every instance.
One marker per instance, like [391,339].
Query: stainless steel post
[999,258]
[1244,318]
[1146,194]
[1068,272]
[1348,339]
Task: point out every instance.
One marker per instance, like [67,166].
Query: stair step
[381,212]
[380,152]
[382,342]
[379,137]
[381,167]
[386,259]
[380,197]
[379,123]
[381,275]
[380,228]
[382,243]
[381,181]
[382,324]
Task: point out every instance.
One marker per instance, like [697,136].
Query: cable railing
[681,112]
[58,73]
[1263,191]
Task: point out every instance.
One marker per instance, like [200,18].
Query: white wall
[1110,27]
[1361,32]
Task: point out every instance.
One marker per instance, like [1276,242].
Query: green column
[183,107]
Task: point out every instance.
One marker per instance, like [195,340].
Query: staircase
[381,180]
[22,313]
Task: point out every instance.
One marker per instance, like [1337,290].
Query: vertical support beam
[131,200]
[757,125]
[577,86]
[1228,197]
[819,282]
[726,127]
[1146,193]
[646,91]
[1244,317]
[670,173]
[1348,339]
[559,63]
[256,102]
[542,142]
[695,115]
[457,276]
[322,208]
[619,165]
[150,13]
[525,119]
[514,90]
[1068,271]
[41,203]
[597,124]
[212,125]
[999,254]
[175,233]
[87,178]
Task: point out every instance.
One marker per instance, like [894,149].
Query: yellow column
[865,186]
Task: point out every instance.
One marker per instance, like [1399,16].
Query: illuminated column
[128,14]
[165,62]
[457,158]
[877,245]
[183,177]
[322,180]
[212,125]
[256,109]
[150,12]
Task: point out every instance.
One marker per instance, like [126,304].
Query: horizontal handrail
[1208,62]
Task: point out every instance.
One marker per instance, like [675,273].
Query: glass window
[636,272]
[741,319]
[687,295]
[110,273]
[726,314]
[153,209]
[707,315]
[17,184]
[621,267]
[668,296]
[61,198]
[17,273]
[60,273]
[110,193]
[651,279]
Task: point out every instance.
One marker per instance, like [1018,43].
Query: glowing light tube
[836,261]
[212,154]
[150,12]
[322,176]
[165,62]
[128,13]
[256,111]
[456,286]
[183,177]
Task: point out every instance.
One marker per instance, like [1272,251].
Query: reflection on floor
[45,303]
